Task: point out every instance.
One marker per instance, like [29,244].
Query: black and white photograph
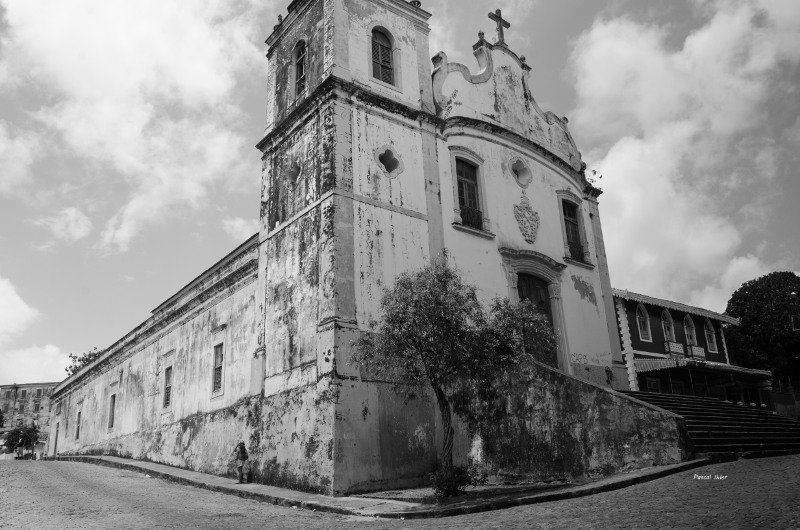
[399,264]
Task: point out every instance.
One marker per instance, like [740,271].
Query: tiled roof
[669,304]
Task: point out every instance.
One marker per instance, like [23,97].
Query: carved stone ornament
[527,219]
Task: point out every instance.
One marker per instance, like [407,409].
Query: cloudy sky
[127,164]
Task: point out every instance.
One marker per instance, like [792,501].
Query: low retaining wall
[562,427]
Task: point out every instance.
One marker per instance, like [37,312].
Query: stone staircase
[721,428]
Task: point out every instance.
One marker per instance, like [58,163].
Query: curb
[424,513]
[263,497]
[546,497]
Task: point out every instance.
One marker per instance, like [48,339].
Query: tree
[434,332]
[29,435]
[765,337]
[79,361]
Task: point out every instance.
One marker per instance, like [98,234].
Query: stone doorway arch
[530,263]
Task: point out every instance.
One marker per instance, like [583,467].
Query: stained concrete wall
[561,427]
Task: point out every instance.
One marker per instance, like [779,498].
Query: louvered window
[300,68]
[217,386]
[573,230]
[167,386]
[382,65]
[468,204]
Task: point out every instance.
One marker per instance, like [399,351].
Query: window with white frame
[667,326]
[167,386]
[382,57]
[688,328]
[575,245]
[217,374]
[643,323]
[711,337]
[468,194]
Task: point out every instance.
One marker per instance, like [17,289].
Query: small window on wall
[217,377]
[112,405]
[643,322]
[36,407]
[711,338]
[5,407]
[24,394]
[21,408]
[688,328]
[468,200]
[795,322]
[666,325]
[300,68]
[167,386]
[382,61]
[78,426]
[38,392]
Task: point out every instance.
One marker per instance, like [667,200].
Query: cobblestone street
[758,493]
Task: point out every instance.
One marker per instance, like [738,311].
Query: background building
[27,404]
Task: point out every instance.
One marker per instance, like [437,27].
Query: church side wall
[143,426]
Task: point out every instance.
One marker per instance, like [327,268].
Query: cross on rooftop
[497,16]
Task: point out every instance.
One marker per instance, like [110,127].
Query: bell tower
[350,198]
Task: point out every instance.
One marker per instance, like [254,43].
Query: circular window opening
[521,173]
[389,161]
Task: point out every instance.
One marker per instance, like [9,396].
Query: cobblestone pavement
[758,493]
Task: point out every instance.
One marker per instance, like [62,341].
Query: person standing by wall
[241,457]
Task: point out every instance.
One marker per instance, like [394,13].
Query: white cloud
[69,225]
[34,364]
[16,156]
[15,314]
[668,130]
[715,296]
[145,90]
[238,228]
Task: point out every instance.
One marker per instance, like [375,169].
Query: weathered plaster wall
[585,320]
[563,427]
[408,33]
[498,92]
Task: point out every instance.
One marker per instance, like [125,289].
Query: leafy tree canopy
[765,338]
[79,361]
[29,435]
[435,332]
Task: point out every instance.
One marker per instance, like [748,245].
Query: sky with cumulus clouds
[127,164]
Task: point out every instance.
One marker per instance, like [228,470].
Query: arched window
[711,338]
[382,61]
[688,328]
[468,200]
[299,68]
[643,322]
[666,325]
[531,288]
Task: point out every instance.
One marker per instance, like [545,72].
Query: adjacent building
[679,349]
[27,404]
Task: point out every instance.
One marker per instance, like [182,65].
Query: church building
[376,159]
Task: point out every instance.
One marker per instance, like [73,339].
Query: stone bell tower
[350,198]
